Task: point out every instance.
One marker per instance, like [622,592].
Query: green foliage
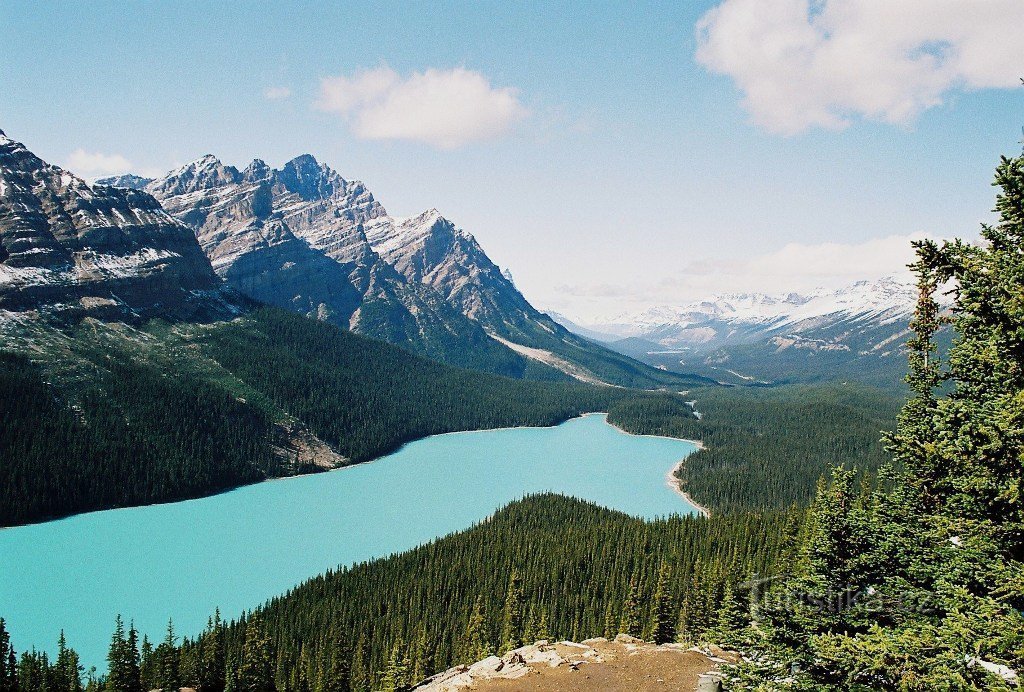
[573,561]
[135,436]
[135,427]
[917,584]
[767,447]
[123,673]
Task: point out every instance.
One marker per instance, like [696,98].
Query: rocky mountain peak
[310,179]
[70,248]
[128,181]
[204,173]
[258,170]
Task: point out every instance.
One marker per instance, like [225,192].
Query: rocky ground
[624,664]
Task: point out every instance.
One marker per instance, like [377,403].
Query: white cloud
[95,165]
[824,63]
[276,93]
[444,108]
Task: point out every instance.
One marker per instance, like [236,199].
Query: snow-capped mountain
[737,317]
[72,249]
[305,238]
[773,337]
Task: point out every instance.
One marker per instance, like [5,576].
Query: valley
[235,550]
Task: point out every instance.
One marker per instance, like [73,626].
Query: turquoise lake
[239,548]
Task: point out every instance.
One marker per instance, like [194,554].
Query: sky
[612,156]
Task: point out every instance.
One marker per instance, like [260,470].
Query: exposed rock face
[430,250]
[304,238]
[129,181]
[294,237]
[73,249]
[625,663]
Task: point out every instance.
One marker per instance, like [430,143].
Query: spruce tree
[395,678]
[167,662]
[67,669]
[934,557]
[477,640]
[123,673]
[512,621]
[147,665]
[631,621]
[360,666]
[212,657]
[256,673]
[663,612]
[8,661]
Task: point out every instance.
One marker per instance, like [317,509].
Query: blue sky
[611,156]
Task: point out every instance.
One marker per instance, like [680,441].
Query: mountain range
[304,238]
[854,332]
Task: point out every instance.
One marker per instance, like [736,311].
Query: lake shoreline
[671,480]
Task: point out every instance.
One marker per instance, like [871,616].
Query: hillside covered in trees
[767,447]
[108,416]
[547,566]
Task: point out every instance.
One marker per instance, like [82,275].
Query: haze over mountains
[856,331]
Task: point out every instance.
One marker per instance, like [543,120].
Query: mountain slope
[856,332]
[304,238]
[79,250]
[129,373]
[430,250]
[293,237]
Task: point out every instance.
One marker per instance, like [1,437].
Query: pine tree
[476,644]
[67,669]
[8,661]
[147,665]
[512,621]
[631,622]
[167,662]
[212,657]
[542,632]
[360,667]
[422,657]
[731,620]
[937,549]
[663,612]
[395,678]
[336,664]
[256,674]
[123,674]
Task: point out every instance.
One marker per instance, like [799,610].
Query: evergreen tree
[477,638]
[212,658]
[931,563]
[663,612]
[360,668]
[8,661]
[256,673]
[422,656]
[512,621]
[395,678]
[123,674]
[631,621]
[147,665]
[67,670]
[167,662]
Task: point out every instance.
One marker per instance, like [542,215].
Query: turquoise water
[239,548]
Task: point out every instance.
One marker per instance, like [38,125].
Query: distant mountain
[130,181]
[304,238]
[69,249]
[855,332]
